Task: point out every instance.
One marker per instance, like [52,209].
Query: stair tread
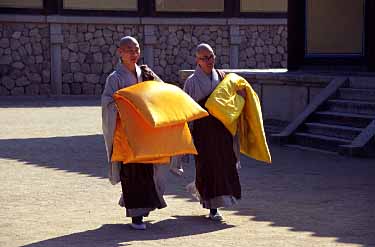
[344,114]
[334,126]
[310,149]
[357,89]
[351,101]
[328,138]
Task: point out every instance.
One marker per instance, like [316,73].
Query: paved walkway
[54,191]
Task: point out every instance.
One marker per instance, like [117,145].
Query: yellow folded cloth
[245,114]
[149,127]
[162,104]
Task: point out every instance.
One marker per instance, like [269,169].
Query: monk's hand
[176,171]
[175,166]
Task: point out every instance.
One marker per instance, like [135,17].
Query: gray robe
[118,79]
[199,86]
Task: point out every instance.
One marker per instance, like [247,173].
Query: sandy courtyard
[55,191]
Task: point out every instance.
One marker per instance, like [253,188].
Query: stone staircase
[340,120]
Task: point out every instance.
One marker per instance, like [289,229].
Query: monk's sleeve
[178,162]
[109,112]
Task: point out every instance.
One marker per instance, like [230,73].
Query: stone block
[8,82]
[93,78]
[5,60]
[65,89]
[45,89]
[4,91]
[22,81]
[34,77]
[18,65]
[16,35]
[88,89]
[18,91]
[67,78]
[76,88]
[32,89]
[78,77]
[96,68]
[4,43]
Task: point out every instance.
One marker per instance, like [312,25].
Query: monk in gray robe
[216,178]
[142,184]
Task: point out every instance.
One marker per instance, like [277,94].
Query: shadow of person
[78,154]
[54,101]
[121,235]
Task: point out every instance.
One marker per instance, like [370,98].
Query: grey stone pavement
[55,192]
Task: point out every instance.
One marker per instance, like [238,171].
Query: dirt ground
[55,191]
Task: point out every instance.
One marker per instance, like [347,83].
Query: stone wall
[61,55]
[174,49]
[263,46]
[89,55]
[24,59]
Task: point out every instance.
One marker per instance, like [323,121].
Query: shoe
[215,217]
[141,226]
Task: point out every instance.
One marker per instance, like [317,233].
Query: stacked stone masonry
[88,53]
[24,59]
[263,46]
[175,46]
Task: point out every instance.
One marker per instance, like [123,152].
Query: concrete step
[294,146]
[356,94]
[351,106]
[343,119]
[339,131]
[362,82]
[319,141]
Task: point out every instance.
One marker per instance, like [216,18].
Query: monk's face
[206,60]
[129,53]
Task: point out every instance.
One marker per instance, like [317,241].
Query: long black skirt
[138,186]
[215,164]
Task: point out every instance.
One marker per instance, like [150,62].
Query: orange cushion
[136,140]
[162,104]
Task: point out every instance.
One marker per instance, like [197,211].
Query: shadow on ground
[120,235]
[326,195]
[49,101]
[79,154]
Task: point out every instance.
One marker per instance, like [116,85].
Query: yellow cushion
[136,141]
[162,104]
[232,110]
[225,104]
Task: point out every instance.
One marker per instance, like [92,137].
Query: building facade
[68,47]
[333,34]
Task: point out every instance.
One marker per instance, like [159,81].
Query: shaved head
[205,58]
[203,47]
[128,40]
[129,52]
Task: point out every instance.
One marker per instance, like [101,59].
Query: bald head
[205,58]
[203,47]
[129,52]
[128,41]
